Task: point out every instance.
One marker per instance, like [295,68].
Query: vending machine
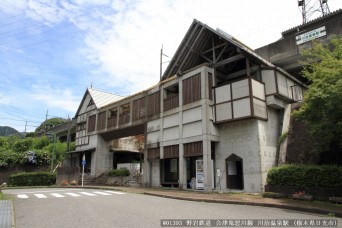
[199,175]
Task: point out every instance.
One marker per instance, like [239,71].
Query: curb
[288,207]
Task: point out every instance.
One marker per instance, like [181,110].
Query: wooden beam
[224,48]
[229,60]
[184,47]
[211,49]
[190,50]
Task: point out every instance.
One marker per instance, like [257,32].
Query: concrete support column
[147,176]
[103,157]
[182,168]
[207,166]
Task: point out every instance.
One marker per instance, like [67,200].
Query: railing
[124,118]
[171,102]
[112,121]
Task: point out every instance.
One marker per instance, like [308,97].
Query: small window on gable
[91,102]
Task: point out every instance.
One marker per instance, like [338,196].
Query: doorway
[234,168]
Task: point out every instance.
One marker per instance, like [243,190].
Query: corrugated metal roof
[102,98]
[332,14]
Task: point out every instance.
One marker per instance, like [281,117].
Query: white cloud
[55,98]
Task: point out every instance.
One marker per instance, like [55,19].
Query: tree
[50,123]
[322,106]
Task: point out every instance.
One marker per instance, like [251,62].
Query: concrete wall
[242,139]
[269,132]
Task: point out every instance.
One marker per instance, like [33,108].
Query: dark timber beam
[229,60]
[185,47]
[190,50]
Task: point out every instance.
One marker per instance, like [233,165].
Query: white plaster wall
[171,121]
[269,132]
[259,108]
[240,89]
[153,125]
[268,78]
[192,115]
[258,90]
[192,129]
[153,137]
[240,138]
[242,108]
[171,133]
[155,173]
[223,94]
[224,111]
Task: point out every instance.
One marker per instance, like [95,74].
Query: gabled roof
[100,98]
[199,41]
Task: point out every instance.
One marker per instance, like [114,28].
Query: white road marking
[55,190]
[72,194]
[119,193]
[87,193]
[57,195]
[103,193]
[23,196]
[40,196]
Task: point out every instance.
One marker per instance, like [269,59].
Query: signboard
[199,174]
[314,34]
[84,162]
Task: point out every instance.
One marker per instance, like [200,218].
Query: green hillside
[6,131]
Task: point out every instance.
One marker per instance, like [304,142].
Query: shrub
[119,173]
[326,176]
[32,179]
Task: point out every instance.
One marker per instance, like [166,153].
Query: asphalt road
[40,208]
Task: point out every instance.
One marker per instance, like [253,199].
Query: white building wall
[240,138]
[269,132]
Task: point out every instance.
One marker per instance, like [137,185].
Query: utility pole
[161,61]
[47,112]
[25,127]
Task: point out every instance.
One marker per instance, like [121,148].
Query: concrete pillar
[147,176]
[182,168]
[103,157]
[207,166]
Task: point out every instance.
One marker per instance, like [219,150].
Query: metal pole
[83,164]
[53,150]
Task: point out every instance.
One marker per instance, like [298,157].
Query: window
[91,123]
[124,116]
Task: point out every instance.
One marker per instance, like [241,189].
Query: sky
[51,51]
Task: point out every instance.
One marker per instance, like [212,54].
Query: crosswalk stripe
[57,195]
[23,196]
[72,194]
[87,193]
[103,193]
[119,193]
[40,196]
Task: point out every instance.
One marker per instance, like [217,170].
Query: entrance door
[234,172]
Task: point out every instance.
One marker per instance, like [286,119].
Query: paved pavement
[6,213]
[234,198]
[225,198]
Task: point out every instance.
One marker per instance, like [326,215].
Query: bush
[32,179]
[119,173]
[326,176]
